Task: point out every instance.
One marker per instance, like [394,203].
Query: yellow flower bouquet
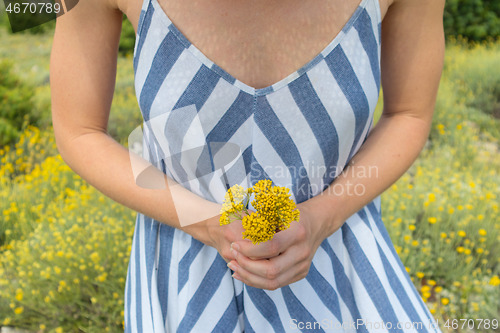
[274,210]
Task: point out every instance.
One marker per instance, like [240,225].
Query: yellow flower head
[274,210]
[495,281]
[233,198]
[233,204]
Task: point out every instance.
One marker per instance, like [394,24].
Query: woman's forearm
[107,166]
[391,148]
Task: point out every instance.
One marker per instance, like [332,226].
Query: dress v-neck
[166,21]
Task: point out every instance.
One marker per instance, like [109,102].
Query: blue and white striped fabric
[300,132]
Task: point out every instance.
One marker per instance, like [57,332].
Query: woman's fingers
[224,236]
[288,267]
[264,250]
[281,241]
[266,268]
[278,262]
[275,280]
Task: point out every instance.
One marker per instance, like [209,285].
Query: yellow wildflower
[94,256]
[233,204]
[274,210]
[102,277]
[19,295]
[495,281]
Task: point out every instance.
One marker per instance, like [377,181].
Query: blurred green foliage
[473,67]
[127,38]
[475,20]
[16,104]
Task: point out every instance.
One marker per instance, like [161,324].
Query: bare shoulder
[410,14]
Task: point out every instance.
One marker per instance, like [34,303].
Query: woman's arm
[411,65]
[82,79]
[412,60]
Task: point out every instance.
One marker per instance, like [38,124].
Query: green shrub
[4,20]
[473,19]
[474,67]
[7,132]
[16,104]
[127,37]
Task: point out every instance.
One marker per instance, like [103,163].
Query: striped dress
[207,130]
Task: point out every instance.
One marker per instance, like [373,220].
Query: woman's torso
[283,123]
[298,131]
[257,42]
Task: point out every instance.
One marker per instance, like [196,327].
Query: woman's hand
[211,233]
[284,259]
[223,236]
